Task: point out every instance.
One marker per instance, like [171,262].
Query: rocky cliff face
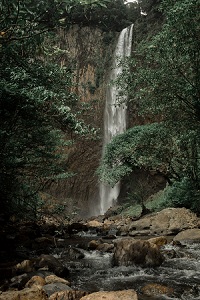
[88,51]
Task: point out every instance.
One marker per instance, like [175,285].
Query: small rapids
[180,271]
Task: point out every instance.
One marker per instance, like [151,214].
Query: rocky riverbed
[154,257]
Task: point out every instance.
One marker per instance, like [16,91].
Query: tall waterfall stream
[114,114]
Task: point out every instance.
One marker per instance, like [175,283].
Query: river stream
[94,272]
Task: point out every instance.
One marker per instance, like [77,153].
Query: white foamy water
[114,114]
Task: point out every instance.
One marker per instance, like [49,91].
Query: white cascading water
[114,115]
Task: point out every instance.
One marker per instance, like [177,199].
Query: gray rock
[192,235]
[53,265]
[55,287]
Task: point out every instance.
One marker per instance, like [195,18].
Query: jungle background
[54,63]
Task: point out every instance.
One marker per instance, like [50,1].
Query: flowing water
[114,114]
[181,272]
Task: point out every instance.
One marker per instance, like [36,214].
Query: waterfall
[114,115]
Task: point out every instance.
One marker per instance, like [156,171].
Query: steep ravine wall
[89,52]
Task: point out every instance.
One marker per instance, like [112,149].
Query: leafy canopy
[164,77]
[150,147]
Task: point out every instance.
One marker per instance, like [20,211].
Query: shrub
[183,194]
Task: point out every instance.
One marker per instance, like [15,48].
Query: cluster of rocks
[45,285]
[41,287]
[45,277]
[169,221]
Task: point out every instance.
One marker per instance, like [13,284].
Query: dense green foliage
[109,15]
[152,147]
[163,83]
[36,105]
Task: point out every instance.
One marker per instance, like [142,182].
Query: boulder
[155,289]
[72,253]
[33,293]
[166,222]
[19,281]
[36,281]
[52,288]
[93,244]
[158,241]
[54,279]
[117,295]
[25,266]
[129,251]
[192,235]
[68,295]
[52,264]
[98,245]
[105,247]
